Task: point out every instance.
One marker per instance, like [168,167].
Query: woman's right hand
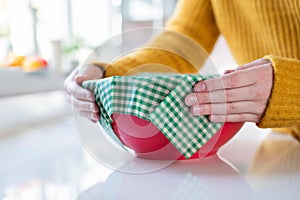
[82,99]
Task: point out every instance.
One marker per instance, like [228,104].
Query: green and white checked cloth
[158,99]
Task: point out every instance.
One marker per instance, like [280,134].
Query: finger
[232,80]
[70,78]
[90,115]
[85,105]
[228,108]
[254,63]
[80,78]
[80,93]
[221,96]
[244,117]
[257,62]
[91,71]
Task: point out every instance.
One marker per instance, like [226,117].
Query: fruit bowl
[157,146]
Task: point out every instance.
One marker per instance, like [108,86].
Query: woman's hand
[83,100]
[240,95]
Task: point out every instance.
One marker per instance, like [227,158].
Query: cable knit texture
[253,29]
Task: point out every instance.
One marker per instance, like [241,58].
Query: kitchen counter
[48,161]
[14,81]
[256,164]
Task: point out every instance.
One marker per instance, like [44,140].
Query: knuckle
[202,97]
[88,96]
[87,115]
[86,106]
[76,104]
[90,107]
[231,108]
[233,80]
[207,109]
[79,95]
[229,94]
[211,84]
[82,114]
[81,106]
[240,117]
[205,98]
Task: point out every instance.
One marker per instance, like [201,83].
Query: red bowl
[148,142]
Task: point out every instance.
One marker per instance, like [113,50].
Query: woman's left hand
[240,95]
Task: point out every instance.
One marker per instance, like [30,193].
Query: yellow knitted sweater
[252,29]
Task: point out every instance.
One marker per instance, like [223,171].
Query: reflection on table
[275,171]
[273,174]
[210,178]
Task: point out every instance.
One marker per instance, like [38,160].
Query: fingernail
[197,110]
[191,99]
[199,87]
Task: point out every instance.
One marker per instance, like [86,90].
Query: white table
[254,165]
[48,162]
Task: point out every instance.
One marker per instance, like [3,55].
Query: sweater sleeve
[183,46]
[283,109]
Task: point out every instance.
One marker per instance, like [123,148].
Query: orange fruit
[33,63]
[13,60]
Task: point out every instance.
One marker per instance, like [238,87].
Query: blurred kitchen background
[41,41]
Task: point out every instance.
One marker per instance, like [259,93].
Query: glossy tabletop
[47,161]
[256,164]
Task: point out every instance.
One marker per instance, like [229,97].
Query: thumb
[80,78]
[254,63]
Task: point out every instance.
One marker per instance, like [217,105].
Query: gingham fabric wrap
[159,99]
